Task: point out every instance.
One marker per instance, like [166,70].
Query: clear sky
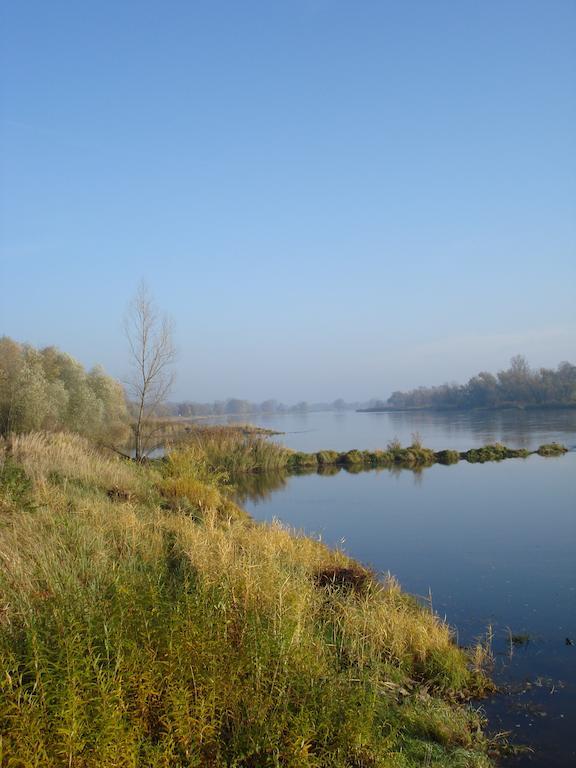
[332,198]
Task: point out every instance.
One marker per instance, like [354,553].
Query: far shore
[479,409]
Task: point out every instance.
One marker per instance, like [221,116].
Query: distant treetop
[518,385]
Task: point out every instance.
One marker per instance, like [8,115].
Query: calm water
[494,544]
[462,430]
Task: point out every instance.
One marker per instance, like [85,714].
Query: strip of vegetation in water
[147,620]
[242,450]
[416,455]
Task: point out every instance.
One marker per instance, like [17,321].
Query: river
[492,545]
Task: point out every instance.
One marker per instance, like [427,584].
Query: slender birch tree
[152,354]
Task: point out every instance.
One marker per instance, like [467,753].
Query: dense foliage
[48,389]
[518,385]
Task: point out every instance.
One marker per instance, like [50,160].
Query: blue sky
[330,198]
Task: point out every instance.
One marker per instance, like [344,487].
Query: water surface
[460,430]
[493,544]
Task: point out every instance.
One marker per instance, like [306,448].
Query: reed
[135,633]
[236,450]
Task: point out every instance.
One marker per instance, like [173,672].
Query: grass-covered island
[146,620]
[414,456]
[242,449]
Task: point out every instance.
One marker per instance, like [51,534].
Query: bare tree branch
[151,353]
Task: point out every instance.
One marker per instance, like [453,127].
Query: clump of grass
[352,457]
[299,460]
[381,458]
[237,449]
[493,452]
[134,633]
[327,457]
[552,449]
[394,446]
[447,457]
[51,455]
[517,453]
[189,481]
[16,486]
[416,455]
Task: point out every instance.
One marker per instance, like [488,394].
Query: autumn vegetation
[45,389]
[146,620]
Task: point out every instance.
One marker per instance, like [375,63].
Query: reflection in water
[514,427]
[459,430]
[260,486]
[257,486]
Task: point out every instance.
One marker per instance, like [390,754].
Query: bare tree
[152,353]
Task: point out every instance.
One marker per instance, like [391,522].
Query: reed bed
[145,621]
[236,449]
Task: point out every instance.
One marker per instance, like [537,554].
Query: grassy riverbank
[145,620]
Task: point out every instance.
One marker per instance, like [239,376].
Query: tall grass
[135,633]
[235,449]
[242,450]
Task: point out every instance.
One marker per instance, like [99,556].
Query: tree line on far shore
[236,407]
[518,385]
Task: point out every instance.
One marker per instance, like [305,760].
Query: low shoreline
[479,409]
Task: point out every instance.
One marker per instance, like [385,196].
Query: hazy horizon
[331,199]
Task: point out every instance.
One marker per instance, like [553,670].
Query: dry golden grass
[134,633]
[45,455]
